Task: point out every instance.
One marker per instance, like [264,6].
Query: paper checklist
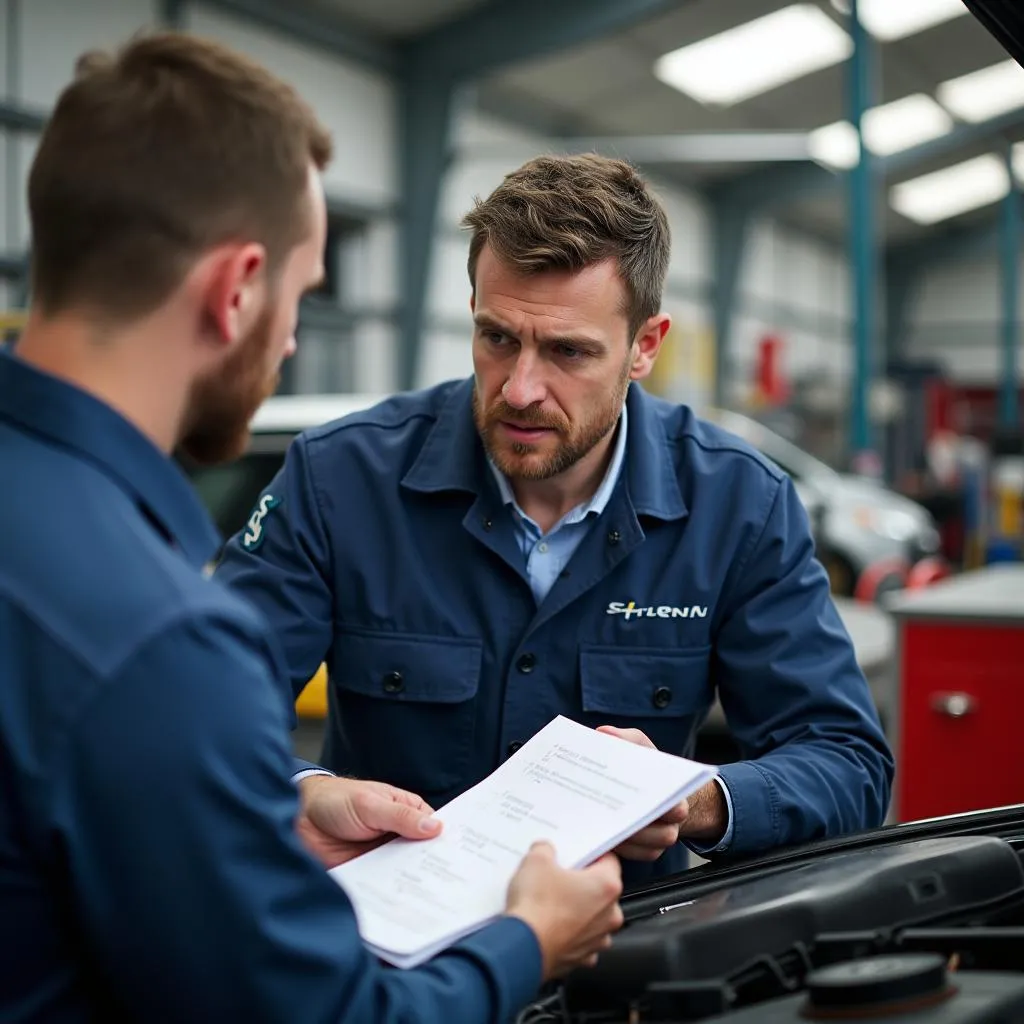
[581,790]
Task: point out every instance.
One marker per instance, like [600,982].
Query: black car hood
[1005,20]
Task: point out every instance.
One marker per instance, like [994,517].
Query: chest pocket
[404,707]
[664,693]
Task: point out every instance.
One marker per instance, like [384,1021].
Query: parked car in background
[862,527]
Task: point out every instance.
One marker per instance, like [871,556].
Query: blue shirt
[386,550]
[149,867]
[548,554]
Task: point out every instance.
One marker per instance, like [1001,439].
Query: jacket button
[513,747]
[527,663]
[662,697]
[614,537]
[393,682]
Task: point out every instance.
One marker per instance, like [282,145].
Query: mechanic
[547,538]
[150,864]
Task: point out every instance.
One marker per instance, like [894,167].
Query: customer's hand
[342,818]
[704,817]
[572,913]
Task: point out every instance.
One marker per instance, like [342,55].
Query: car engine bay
[919,929]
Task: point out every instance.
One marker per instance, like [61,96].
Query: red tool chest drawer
[959,723]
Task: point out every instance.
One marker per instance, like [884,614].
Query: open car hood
[744,942]
[1005,20]
[1002,822]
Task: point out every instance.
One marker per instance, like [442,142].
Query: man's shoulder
[404,415]
[383,440]
[86,567]
[703,445]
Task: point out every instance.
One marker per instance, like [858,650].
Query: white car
[859,523]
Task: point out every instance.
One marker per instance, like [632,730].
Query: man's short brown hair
[155,154]
[566,213]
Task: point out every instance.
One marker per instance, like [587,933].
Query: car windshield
[230,491]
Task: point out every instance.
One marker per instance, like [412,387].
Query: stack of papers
[581,790]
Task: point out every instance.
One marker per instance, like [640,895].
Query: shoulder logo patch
[252,538]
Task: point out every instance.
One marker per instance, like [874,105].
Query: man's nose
[525,385]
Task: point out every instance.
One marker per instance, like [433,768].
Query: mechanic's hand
[651,842]
[572,913]
[342,818]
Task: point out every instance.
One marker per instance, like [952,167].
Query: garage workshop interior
[842,182]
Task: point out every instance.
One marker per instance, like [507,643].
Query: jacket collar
[453,459]
[72,419]
[651,471]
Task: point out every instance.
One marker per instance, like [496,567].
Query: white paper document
[581,790]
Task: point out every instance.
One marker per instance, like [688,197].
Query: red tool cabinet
[958,728]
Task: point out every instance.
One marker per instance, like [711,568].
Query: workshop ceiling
[393,19]
[608,88]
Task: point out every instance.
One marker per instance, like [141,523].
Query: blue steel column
[902,279]
[1010,264]
[862,243]
[424,124]
[13,90]
[172,14]
[730,222]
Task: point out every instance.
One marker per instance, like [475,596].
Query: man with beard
[546,538]
[152,864]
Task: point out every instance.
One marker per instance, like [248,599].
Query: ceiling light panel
[984,94]
[756,57]
[889,128]
[888,20]
[1017,159]
[953,190]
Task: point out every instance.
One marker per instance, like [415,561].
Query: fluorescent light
[984,94]
[889,128]
[760,55]
[951,191]
[835,145]
[904,123]
[1017,151]
[888,20]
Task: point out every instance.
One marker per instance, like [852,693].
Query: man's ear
[234,290]
[647,344]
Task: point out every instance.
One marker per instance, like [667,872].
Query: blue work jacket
[149,866]
[383,546]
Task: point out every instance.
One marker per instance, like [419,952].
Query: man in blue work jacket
[151,858]
[546,538]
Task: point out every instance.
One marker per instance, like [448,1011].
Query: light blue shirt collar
[601,496]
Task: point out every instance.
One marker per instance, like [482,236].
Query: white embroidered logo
[663,611]
[253,536]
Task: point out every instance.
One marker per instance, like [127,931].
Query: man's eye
[570,352]
[494,337]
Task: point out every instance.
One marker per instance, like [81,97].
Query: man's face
[553,360]
[224,401]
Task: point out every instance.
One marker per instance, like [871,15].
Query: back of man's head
[156,154]
[565,213]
